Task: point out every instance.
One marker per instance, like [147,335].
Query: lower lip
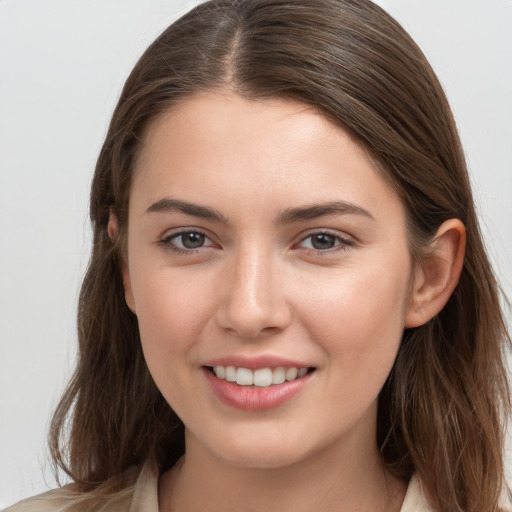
[254,398]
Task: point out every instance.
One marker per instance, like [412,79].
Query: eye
[324,242]
[186,241]
[189,240]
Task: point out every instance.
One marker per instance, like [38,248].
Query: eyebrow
[175,205]
[288,216]
[313,211]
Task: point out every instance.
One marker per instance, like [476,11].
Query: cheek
[171,311]
[359,317]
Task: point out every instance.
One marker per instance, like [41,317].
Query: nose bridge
[255,302]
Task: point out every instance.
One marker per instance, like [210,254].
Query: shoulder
[506,500]
[51,501]
[135,489]
[415,500]
[62,500]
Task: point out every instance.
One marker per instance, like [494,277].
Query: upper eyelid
[327,231]
[174,232]
[334,235]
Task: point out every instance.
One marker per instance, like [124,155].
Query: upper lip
[254,363]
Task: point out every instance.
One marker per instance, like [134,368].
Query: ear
[439,273]
[113,233]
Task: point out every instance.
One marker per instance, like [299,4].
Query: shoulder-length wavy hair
[443,407]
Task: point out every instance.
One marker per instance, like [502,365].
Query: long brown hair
[443,407]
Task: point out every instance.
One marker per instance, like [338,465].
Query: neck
[331,480]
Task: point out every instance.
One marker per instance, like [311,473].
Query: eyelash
[342,243]
[167,241]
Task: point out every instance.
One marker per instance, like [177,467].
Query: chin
[263,452]
[265,458]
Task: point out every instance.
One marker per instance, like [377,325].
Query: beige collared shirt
[143,497]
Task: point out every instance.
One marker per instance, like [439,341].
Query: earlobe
[113,227]
[439,274]
[113,233]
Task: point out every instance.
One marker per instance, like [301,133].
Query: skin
[261,286]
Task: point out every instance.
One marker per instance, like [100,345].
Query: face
[268,266]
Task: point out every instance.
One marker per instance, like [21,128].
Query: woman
[288,302]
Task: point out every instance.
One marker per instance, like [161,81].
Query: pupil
[323,241]
[192,240]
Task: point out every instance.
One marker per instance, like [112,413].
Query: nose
[254,304]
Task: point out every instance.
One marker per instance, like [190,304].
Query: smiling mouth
[261,378]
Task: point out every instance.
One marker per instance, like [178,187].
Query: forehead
[216,145]
[224,120]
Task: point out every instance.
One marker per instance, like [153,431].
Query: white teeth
[230,373]
[263,377]
[278,376]
[291,374]
[244,377]
[302,372]
[220,371]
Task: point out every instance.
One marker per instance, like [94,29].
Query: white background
[62,65]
